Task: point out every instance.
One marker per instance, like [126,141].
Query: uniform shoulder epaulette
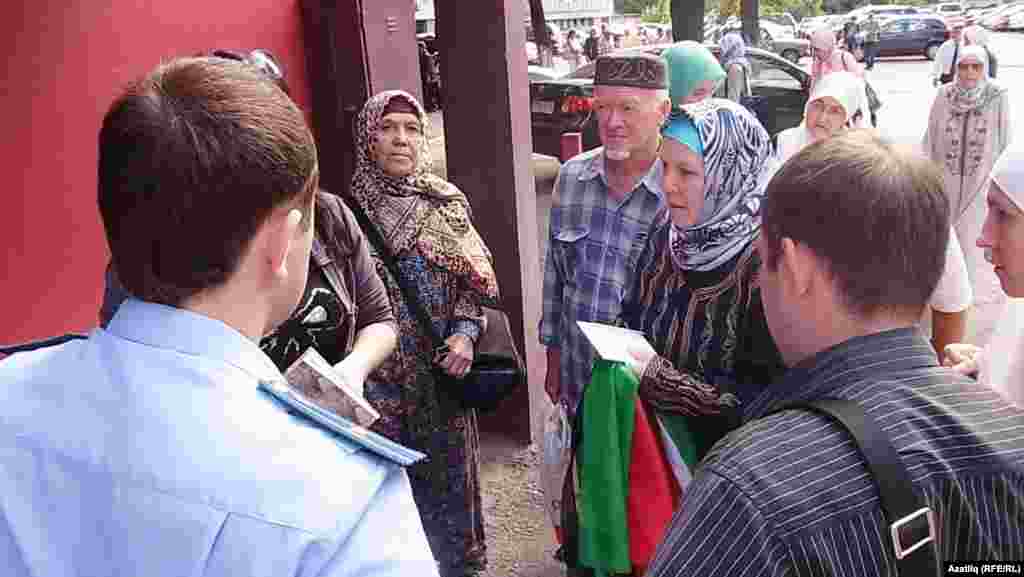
[360,436]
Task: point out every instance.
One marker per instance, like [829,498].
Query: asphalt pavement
[904,85]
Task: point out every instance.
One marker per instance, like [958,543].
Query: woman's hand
[962,358]
[459,358]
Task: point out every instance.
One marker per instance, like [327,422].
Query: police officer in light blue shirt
[166,444]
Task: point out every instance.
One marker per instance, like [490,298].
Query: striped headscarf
[737,166]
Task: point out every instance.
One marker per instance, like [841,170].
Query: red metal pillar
[489,148]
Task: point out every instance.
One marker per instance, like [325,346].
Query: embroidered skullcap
[633,70]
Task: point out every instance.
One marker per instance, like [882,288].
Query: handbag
[753,103]
[874,102]
[497,366]
[912,527]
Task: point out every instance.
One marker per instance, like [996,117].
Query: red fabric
[653,491]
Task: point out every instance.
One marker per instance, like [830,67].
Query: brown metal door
[354,48]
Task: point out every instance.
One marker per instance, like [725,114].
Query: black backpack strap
[912,525]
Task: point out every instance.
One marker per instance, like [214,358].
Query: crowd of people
[765,277]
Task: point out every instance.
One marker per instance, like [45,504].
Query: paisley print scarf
[737,167]
[421,210]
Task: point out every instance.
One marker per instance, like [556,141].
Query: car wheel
[791,55]
[931,51]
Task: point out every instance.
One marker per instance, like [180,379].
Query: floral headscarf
[421,210]
[738,164]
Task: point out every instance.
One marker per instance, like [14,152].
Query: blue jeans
[870,53]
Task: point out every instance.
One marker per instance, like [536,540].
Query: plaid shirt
[593,244]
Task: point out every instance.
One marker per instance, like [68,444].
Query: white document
[614,343]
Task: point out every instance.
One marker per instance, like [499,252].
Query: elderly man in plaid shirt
[603,204]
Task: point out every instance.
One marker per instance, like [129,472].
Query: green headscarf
[689,64]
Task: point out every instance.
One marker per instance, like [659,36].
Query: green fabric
[689,64]
[608,418]
[675,426]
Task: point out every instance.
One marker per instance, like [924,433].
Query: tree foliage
[798,8]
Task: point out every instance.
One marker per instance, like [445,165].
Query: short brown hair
[192,159]
[876,214]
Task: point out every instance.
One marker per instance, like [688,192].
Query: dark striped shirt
[788,494]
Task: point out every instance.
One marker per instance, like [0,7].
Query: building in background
[425,16]
[563,13]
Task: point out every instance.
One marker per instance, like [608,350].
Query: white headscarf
[847,88]
[1008,172]
[1001,365]
[975,35]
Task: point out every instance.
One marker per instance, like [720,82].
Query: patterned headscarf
[738,164]
[734,51]
[421,210]
[968,99]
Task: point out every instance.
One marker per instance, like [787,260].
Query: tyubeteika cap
[633,70]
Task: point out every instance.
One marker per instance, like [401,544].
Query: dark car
[912,35]
[564,104]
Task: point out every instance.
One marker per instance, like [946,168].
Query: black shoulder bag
[497,367]
[912,527]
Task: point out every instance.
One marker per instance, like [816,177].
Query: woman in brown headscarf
[426,224]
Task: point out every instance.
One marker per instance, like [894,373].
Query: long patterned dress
[426,225]
[417,414]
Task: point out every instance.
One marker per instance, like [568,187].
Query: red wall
[64,62]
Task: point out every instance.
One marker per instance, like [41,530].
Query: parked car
[998,18]
[776,38]
[1015,20]
[910,35]
[883,10]
[565,104]
[1001,20]
[536,73]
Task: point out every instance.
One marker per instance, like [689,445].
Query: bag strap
[912,529]
[411,299]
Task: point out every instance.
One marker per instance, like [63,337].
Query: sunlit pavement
[904,85]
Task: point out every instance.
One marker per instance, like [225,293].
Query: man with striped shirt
[853,240]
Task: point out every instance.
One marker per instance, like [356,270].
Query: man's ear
[797,265]
[282,233]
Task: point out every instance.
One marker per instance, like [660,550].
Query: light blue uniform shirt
[148,450]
